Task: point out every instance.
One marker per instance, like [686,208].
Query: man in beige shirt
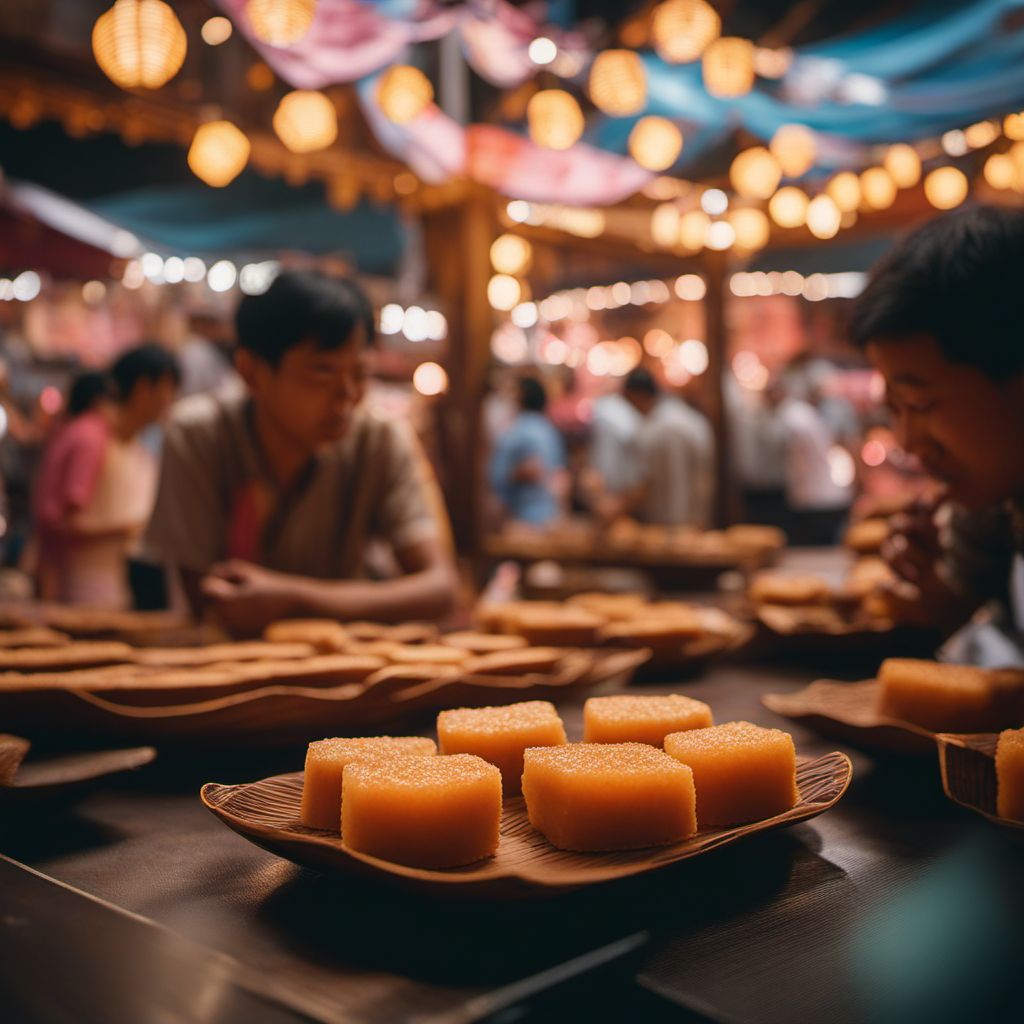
[268,501]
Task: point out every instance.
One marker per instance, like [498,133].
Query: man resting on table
[267,501]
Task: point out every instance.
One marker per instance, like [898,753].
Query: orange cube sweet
[326,761]
[951,698]
[608,796]
[501,734]
[742,772]
[625,718]
[1010,775]
[426,812]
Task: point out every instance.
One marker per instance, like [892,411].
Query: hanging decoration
[824,218]
[755,173]
[618,83]
[511,254]
[946,187]
[280,22]
[139,44]
[403,93]
[844,190]
[794,147]
[306,121]
[877,188]
[682,30]
[728,67]
[219,153]
[555,119]
[903,165]
[751,226]
[655,143]
[788,207]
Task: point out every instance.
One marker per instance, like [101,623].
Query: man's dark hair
[302,305]
[532,396]
[148,361]
[641,382]
[86,391]
[955,279]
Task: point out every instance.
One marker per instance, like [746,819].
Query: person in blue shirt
[528,463]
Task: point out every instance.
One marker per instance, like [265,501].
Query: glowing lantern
[946,187]
[306,121]
[982,134]
[655,143]
[1013,126]
[218,153]
[618,82]
[788,207]
[823,217]
[903,165]
[728,67]
[139,43]
[794,147]
[1000,171]
[844,190]
[877,188]
[683,29]
[403,93]
[430,379]
[755,173]
[752,228]
[280,22]
[511,254]
[665,225]
[504,292]
[555,119]
[693,230]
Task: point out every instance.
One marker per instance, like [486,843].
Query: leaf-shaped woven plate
[267,813]
[850,711]
[968,766]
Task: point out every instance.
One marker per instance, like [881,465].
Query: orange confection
[425,812]
[326,761]
[608,796]
[624,718]
[1010,775]
[501,734]
[742,772]
[951,698]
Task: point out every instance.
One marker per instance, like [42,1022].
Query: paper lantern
[511,254]
[844,189]
[1013,126]
[823,217]
[728,67]
[555,119]
[655,143]
[752,228]
[693,230]
[218,153]
[755,173]
[139,44]
[618,83]
[280,22]
[682,30]
[794,147]
[946,187]
[903,165]
[306,121]
[877,188]
[665,225]
[403,93]
[1001,171]
[788,207]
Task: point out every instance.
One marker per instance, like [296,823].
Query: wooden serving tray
[274,715]
[968,766]
[850,711]
[267,813]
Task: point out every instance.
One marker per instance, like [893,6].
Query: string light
[542,51]
[823,217]
[554,118]
[794,147]
[903,165]
[618,82]
[788,207]
[655,143]
[430,379]
[216,31]
[755,173]
[728,67]
[504,292]
[844,190]
[511,254]
[877,188]
[752,228]
[693,229]
[946,187]
[403,93]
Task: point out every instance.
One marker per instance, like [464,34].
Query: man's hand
[245,597]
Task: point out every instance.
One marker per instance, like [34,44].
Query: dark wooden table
[136,905]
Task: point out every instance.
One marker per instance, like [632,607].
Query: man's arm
[246,597]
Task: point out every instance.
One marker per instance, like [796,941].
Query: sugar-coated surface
[326,761]
[627,718]
[428,812]
[501,734]
[742,772]
[608,796]
[1010,775]
[950,698]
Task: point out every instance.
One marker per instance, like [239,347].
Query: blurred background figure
[527,470]
[96,482]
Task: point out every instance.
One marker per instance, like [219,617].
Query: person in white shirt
[673,465]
